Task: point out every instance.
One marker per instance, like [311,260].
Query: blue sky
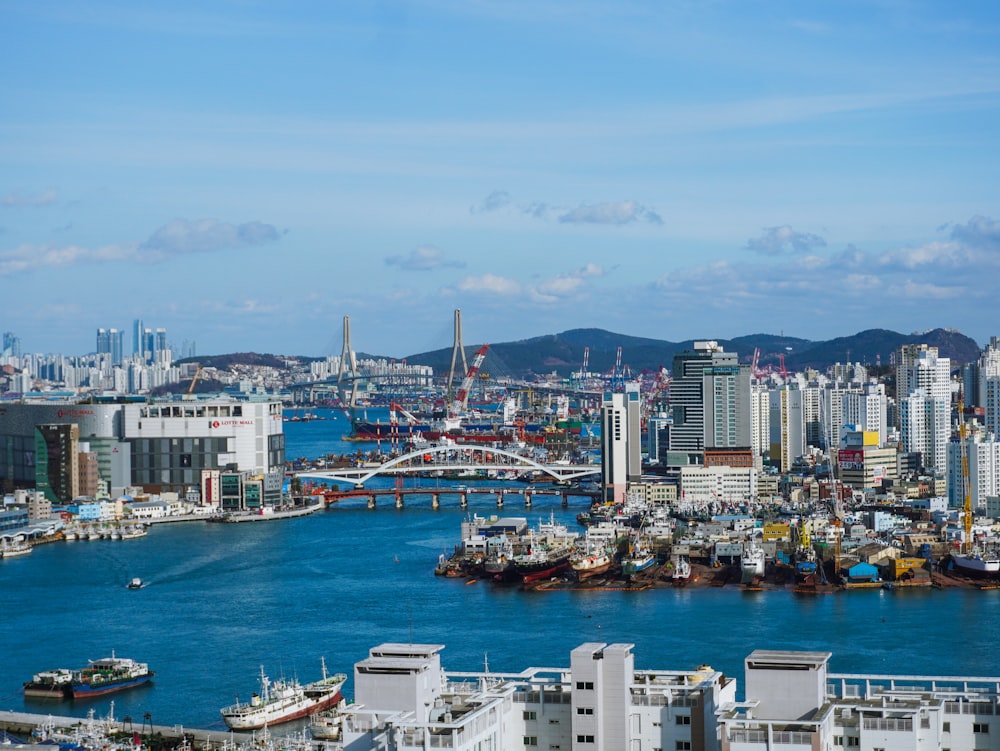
[245,174]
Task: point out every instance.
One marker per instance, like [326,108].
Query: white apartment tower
[983,454]
[787,426]
[989,385]
[923,385]
[867,410]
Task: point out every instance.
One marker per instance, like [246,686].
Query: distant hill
[563,353]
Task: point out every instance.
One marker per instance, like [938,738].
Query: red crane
[461,402]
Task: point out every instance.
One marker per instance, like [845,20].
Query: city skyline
[245,176]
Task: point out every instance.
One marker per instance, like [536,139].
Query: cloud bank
[179,237]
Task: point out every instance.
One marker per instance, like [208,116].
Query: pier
[25,724]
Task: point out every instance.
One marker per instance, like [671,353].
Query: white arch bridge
[453,458]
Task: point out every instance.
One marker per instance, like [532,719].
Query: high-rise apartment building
[989,386]
[787,426]
[111,342]
[923,385]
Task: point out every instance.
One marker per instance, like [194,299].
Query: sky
[247,174]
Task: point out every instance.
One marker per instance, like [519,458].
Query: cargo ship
[108,675]
[284,700]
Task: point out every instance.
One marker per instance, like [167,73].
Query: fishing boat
[977,563]
[108,675]
[284,700]
[14,548]
[681,571]
[639,557]
[752,563]
[50,684]
[326,725]
[499,556]
[590,562]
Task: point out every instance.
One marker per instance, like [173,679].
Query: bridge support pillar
[565,500]
[399,500]
[500,499]
[527,499]
[371,501]
[435,501]
[463,500]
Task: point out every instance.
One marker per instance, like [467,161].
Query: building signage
[223,423]
[74,412]
[851,459]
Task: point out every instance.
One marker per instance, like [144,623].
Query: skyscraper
[710,402]
[110,342]
[621,437]
[137,332]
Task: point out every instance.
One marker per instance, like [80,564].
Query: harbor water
[222,600]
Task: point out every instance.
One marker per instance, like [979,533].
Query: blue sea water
[224,599]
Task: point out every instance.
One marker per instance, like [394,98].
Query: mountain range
[563,353]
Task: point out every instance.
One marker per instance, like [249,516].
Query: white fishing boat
[327,725]
[752,562]
[14,548]
[977,563]
[284,700]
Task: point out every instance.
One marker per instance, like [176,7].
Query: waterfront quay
[49,729]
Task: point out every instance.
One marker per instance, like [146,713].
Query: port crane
[461,402]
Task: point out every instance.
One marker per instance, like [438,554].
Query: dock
[25,723]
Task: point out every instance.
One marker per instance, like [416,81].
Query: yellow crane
[967,506]
[194,381]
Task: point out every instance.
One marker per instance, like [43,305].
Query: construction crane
[461,402]
[967,496]
[194,381]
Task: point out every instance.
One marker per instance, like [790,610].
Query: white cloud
[620,212]
[30,257]
[491,284]
[177,237]
[181,236]
[784,240]
[423,258]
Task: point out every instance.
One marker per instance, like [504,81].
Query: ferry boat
[50,684]
[284,700]
[108,675]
